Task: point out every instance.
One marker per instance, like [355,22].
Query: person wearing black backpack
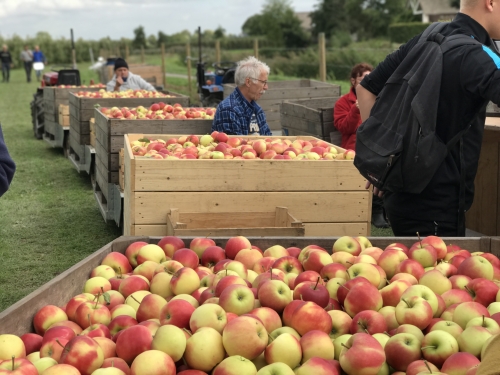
[430,190]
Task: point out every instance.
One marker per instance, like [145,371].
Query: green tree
[139,38]
[455,3]
[219,33]
[329,17]
[254,26]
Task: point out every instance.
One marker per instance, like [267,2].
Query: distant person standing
[27,59]
[39,62]
[6,60]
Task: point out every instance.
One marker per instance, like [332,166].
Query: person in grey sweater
[123,79]
[27,58]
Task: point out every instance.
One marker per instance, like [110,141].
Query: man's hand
[376,191]
[119,81]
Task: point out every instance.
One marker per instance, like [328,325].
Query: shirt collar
[469,25]
[250,105]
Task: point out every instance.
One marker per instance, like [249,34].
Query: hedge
[402,32]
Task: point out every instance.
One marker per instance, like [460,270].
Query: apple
[187,257]
[248,257]
[437,243]
[184,281]
[277,368]
[32,343]
[448,326]
[412,267]
[153,362]
[212,255]
[107,345]
[472,339]
[466,311]
[447,269]
[200,244]
[476,267]
[152,253]
[264,264]
[366,270]
[237,299]
[46,316]
[176,312]
[285,349]
[419,366]
[368,321]
[133,341]
[389,261]
[409,328]
[354,357]
[435,281]
[362,297]
[459,363]
[309,317]
[235,365]
[391,294]
[44,363]
[108,371]
[404,276]
[389,314]
[58,332]
[53,348]
[347,244]
[453,296]
[83,353]
[245,336]
[204,349]
[482,291]
[268,317]
[170,244]
[118,262]
[288,264]
[150,307]
[132,251]
[437,346]
[316,344]
[488,323]
[274,294]
[17,366]
[401,350]
[89,313]
[424,292]
[133,284]
[312,291]
[423,253]
[414,310]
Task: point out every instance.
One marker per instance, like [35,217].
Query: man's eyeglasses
[264,82]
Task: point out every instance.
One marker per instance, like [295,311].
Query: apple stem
[427,347]
[387,281]
[88,318]
[13,358]
[61,345]
[317,281]
[345,346]
[405,301]
[419,240]
[352,264]
[271,270]
[428,367]
[343,286]
[483,322]
[135,299]
[208,235]
[387,333]
[119,271]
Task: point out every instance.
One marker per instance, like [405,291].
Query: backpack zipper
[418,142]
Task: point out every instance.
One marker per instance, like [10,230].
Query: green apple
[171,340]
[235,365]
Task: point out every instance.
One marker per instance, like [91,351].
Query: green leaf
[107,298]
[144,140]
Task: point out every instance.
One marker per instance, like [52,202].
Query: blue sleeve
[7,166]
[227,121]
[263,126]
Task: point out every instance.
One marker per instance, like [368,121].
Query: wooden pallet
[56,135]
[109,200]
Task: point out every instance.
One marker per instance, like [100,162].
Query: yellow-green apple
[160,285]
[343,258]
[472,339]
[268,317]
[277,368]
[424,292]
[169,266]
[466,311]
[368,321]
[118,363]
[264,264]
[446,269]
[449,311]
[89,313]
[405,276]
[84,353]
[364,242]
[118,262]
[212,255]
[362,297]
[319,366]
[111,298]
[333,286]
[286,349]
[103,271]
[235,365]
[188,298]
[176,312]
[238,267]
[274,294]
[459,281]
[437,243]
[153,362]
[333,271]
[107,345]
[184,281]
[412,267]
[366,270]
[17,366]
[482,291]
[282,330]
[226,281]
[476,267]
[347,244]
[35,356]
[238,299]
[391,294]
[123,309]
[316,344]
[152,253]
[382,338]
[493,308]
[148,269]
[11,345]
[150,307]
[170,340]
[492,258]
[435,281]
[61,369]
[488,323]
[32,342]
[132,251]
[339,343]
[288,264]
[414,310]
[245,336]
[187,257]
[303,253]
[364,258]
[448,326]
[108,371]
[453,296]
[310,316]
[276,251]
[133,341]
[204,349]
[401,350]
[133,284]
[44,363]
[389,314]
[46,316]
[437,346]
[362,354]
[420,366]
[410,328]
[312,291]
[459,363]
[208,280]
[248,257]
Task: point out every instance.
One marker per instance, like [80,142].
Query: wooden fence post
[164,79]
[322,57]
[142,54]
[256,48]
[217,50]
[188,58]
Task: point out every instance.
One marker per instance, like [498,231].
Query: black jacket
[7,166]
[471,78]
[5,57]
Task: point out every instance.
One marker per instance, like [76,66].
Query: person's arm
[110,86]
[366,100]
[227,121]
[346,117]
[7,166]
[145,85]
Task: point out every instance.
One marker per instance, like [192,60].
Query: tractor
[52,78]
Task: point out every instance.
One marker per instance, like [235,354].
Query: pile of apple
[83,86]
[162,309]
[160,111]
[219,145]
[122,94]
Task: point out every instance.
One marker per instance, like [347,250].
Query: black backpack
[397,149]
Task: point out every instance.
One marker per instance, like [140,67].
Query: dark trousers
[408,226]
[5,72]
[28,65]
[377,205]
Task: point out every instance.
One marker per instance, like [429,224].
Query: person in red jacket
[347,119]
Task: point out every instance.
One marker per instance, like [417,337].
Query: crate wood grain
[266,224]
[18,318]
[319,192]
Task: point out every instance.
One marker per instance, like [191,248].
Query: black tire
[37,117]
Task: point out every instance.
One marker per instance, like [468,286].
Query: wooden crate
[492,110]
[266,224]
[121,175]
[312,117]
[17,319]
[280,91]
[329,197]
[63,116]
[92,132]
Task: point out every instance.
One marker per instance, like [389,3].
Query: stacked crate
[63,117]
[280,91]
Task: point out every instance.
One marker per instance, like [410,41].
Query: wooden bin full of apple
[327,195]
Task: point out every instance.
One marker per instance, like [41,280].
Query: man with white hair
[239,113]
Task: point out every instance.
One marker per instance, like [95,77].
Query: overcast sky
[95,19]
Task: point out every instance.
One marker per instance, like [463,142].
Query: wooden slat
[110,177]
[264,232]
[129,193]
[153,207]
[337,229]
[110,161]
[90,103]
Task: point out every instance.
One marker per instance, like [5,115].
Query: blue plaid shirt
[234,114]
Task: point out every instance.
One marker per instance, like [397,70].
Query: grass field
[49,219]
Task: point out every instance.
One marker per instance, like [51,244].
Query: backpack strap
[434,27]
